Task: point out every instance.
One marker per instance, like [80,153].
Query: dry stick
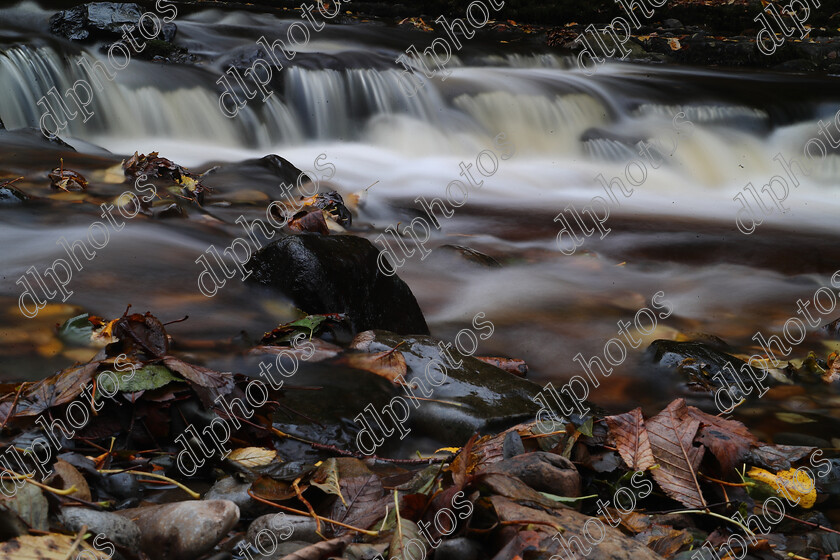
[76,542]
[317,517]
[723,482]
[14,404]
[815,525]
[192,494]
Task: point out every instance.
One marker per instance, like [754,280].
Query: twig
[814,525]
[76,542]
[192,494]
[318,517]
[719,516]
[14,404]
[28,478]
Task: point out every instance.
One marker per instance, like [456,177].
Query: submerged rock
[338,274]
[470,397]
[706,367]
[182,530]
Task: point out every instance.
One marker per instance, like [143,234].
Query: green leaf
[76,330]
[310,322]
[406,541]
[566,499]
[143,379]
[586,427]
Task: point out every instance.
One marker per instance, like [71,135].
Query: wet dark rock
[672,24]
[544,472]
[121,485]
[182,530]
[458,549]
[10,195]
[338,274]
[270,170]
[490,399]
[512,445]
[102,20]
[116,528]
[703,366]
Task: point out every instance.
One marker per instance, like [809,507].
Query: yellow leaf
[251,457]
[793,485]
[48,547]
[674,43]
[448,449]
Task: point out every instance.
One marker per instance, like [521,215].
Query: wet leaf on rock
[311,221]
[389,364]
[67,179]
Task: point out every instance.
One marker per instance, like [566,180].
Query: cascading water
[343,98]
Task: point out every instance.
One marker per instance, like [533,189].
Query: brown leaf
[729,440]
[143,331]
[671,434]
[207,383]
[65,476]
[312,221]
[363,493]
[631,438]
[56,390]
[48,547]
[511,365]
[664,540]
[389,364]
[539,531]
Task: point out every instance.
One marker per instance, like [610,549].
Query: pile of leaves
[658,487]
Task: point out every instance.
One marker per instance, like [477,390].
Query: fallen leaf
[631,439]
[251,457]
[389,364]
[48,547]
[671,434]
[66,476]
[794,485]
[407,542]
[729,440]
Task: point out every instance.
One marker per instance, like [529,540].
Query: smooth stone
[235,490]
[115,527]
[283,527]
[183,530]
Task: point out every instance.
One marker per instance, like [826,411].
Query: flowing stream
[342,97]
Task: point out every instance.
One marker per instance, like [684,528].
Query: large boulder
[338,274]
[102,21]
